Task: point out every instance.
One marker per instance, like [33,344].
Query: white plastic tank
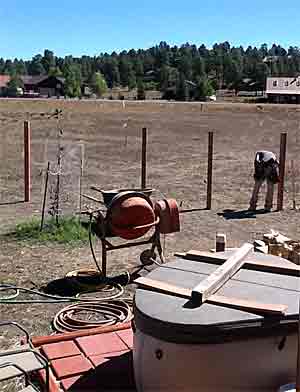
[183,346]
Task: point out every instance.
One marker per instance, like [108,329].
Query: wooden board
[280,267]
[221,275]
[164,287]
[220,300]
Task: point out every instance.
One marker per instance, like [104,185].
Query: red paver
[53,385]
[115,373]
[82,371]
[70,366]
[68,382]
[101,344]
[60,350]
[98,360]
[127,337]
[115,354]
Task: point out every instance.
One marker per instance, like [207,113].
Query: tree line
[180,72]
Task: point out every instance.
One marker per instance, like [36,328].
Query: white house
[283,89]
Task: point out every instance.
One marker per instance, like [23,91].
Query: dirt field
[177,162]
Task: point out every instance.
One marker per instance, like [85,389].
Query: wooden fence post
[27,163]
[144,158]
[282,157]
[209,169]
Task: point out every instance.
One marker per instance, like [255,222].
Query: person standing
[266,168]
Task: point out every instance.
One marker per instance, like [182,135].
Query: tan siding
[281,88]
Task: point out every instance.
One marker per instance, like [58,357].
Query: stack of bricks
[95,362]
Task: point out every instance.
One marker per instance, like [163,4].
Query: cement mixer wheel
[147,256]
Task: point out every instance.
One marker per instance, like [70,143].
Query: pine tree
[48,61]
[14,86]
[36,67]
[73,81]
[131,80]
[99,85]
[204,89]
[20,67]
[182,90]
[141,95]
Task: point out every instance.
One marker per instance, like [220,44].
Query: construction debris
[276,238]
[278,244]
[260,246]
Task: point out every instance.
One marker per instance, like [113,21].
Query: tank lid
[176,319]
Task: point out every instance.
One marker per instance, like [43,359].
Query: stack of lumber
[279,245]
[280,267]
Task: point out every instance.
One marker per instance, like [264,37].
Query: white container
[180,346]
[254,365]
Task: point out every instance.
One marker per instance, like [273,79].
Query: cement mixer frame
[145,256]
[167,221]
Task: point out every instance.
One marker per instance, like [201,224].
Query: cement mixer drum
[131,215]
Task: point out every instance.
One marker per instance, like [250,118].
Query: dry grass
[177,154]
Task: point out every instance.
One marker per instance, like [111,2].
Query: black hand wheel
[147,257]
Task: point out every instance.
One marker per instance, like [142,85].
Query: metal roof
[29,79]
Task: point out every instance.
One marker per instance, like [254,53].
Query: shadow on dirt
[242,214]
[8,203]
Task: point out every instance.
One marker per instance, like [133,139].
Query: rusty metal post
[144,158]
[27,163]
[282,157]
[209,169]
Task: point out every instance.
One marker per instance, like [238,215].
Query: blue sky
[75,27]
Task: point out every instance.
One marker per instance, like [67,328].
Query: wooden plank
[48,339]
[164,287]
[227,248]
[280,267]
[222,274]
[220,300]
[247,305]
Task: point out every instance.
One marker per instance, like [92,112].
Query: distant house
[149,76]
[283,90]
[44,86]
[275,59]
[39,86]
[4,80]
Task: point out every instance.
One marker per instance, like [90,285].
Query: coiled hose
[110,312]
[105,311]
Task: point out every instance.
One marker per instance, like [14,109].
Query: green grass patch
[69,231]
